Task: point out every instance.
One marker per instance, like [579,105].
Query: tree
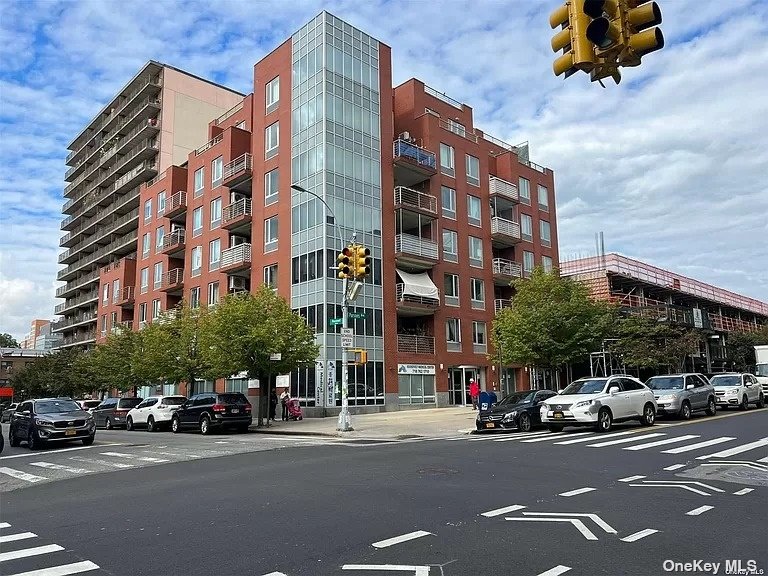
[740,347]
[245,333]
[117,363]
[8,341]
[63,373]
[552,321]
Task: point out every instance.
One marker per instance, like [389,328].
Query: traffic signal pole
[345,422]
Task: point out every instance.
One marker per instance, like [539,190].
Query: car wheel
[205,425]
[175,425]
[711,407]
[108,425]
[12,439]
[151,425]
[685,410]
[524,423]
[88,441]
[604,420]
[649,415]
[33,441]
[744,403]
[129,424]
[555,428]
[761,401]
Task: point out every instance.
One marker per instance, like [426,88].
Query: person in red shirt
[474,392]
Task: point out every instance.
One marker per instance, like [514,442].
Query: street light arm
[327,207]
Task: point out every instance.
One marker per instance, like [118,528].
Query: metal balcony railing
[404,298]
[500,187]
[178,200]
[237,209]
[412,344]
[229,113]
[125,294]
[128,238]
[173,277]
[210,144]
[175,238]
[405,149]
[241,163]
[504,267]
[506,227]
[240,254]
[416,246]
[499,304]
[409,197]
[72,285]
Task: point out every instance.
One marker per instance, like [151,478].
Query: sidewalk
[404,424]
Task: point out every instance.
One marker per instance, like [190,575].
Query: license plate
[557,415]
[490,425]
[235,410]
[70,432]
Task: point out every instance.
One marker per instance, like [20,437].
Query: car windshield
[592,386]
[726,380]
[665,383]
[91,403]
[232,399]
[54,406]
[517,398]
[128,402]
[173,400]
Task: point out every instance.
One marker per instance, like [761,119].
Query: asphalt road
[477,505]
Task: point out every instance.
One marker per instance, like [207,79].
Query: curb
[264,430]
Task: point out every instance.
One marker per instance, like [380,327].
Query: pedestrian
[474,392]
[272,404]
[284,402]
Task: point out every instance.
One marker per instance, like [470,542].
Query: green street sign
[335,321]
[356,315]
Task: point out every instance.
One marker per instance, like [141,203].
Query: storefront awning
[418,285]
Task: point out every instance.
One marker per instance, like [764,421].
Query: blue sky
[671,164]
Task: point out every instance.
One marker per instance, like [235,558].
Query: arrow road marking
[684,482]
[662,442]
[631,478]
[580,526]
[689,488]
[736,450]
[594,517]
[753,465]
[638,535]
[577,492]
[556,571]
[416,570]
[698,445]
[699,510]
[500,511]
[626,440]
[399,539]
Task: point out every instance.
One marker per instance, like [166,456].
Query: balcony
[415,252]
[504,271]
[504,232]
[412,163]
[237,217]
[236,259]
[501,189]
[82,337]
[210,144]
[74,285]
[411,305]
[75,320]
[499,304]
[175,243]
[238,172]
[173,281]
[409,199]
[412,344]
[176,206]
[125,296]
[73,303]
[120,246]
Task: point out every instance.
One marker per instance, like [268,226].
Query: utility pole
[344,424]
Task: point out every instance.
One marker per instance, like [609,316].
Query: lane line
[707,486]
[500,511]
[683,486]
[698,445]
[626,440]
[631,478]
[675,467]
[588,439]
[106,463]
[556,571]
[62,570]
[737,450]
[556,436]
[577,492]
[662,442]
[19,475]
[743,491]
[17,536]
[27,552]
[594,517]
[402,538]
[699,510]
[61,450]
[133,457]
[52,466]
[580,526]
[637,535]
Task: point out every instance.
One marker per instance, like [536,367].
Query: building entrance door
[458,384]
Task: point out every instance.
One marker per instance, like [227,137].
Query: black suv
[50,420]
[209,411]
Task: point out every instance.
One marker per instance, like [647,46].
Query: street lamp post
[345,421]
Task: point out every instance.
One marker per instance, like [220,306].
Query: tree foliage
[8,341]
[117,363]
[63,373]
[740,347]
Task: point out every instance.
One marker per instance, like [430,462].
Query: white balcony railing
[237,209]
[499,304]
[413,344]
[408,197]
[503,267]
[240,254]
[500,187]
[240,164]
[505,227]
[416,246]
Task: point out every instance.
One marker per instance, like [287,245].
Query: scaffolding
[605,363]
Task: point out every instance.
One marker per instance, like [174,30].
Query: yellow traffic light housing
[606,31]
[578,53]
[360,356]
[362,262]
[344,261]
[640,20]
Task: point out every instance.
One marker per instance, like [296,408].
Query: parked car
[738,390]
[683,394]
[5,416]
[38,422]
[153,412]
[88,405]
[112,412]
[518,410]
[209,411]
[600,402]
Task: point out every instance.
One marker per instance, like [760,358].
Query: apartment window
[142,314]
[217,171]
[450,246]
[271,139]
[194,297]
[148,210]
[528,263]
[197,221]
[473,210]
[105,294]
[473,170]
[144,280]
[475,252]
[146,242]
[213,293]
[159,238]
[270,234]
[273,94]
[446,160]
[271,183]
[543,198]
[214,254]
[449,202]
[479,337]
[270,275]
[103,324]
[155,309]
[451,289]
[113,320]
[115,290]
[197,260]
[546,263]
[524,190]
[199,181]
[215,213]
[526,227]
[161,203]
[477,289]
[158,278]
[453,334]
[545,233]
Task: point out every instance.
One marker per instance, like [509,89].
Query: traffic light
[606,31]
[578,53]
[344,262]
[362,260]
[640,20]
[360,356]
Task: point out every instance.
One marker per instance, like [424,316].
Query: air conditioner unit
[405,136]
[236,240]
[175,227]
[238,283]
[236,197]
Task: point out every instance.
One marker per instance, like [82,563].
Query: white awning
[418,285]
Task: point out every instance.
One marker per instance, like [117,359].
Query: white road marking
[578,491]
[221,442]
[631,478]
[594,517]
[556,571]
[707,486]
[752,465]
[17,536]
[19,475]
[698,445]
[101,446]
[416,570]
[763,459]
[177,455]
[521,436]
[500,511]
[736,450]
[588,439]
[101,462]
[626,440]
[684,487]
[675,467]
[556,436]
[62,570]
[580,526]
[52,466]
[133,457]
[743,491]
[638,535]
[699,510]
[662,442]
[27,552]
[401,538]
[4,525]
[275,574]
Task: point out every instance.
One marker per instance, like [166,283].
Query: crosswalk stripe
[588,439]
[698,445]
[662,442]
[18,536]
[736,450]
[675,467]
[743,491]
[631,478]
[4,525]
[521,436]
[133,457]
[27,552]
[62,570]
[52,466]
[101,462]
[698,511]
[626,440]
[19,475]
[555,436]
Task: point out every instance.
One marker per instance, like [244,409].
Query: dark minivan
[209,411]
[112,412]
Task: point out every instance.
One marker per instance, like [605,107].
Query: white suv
[153,412]
[600,402]
[737,390]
